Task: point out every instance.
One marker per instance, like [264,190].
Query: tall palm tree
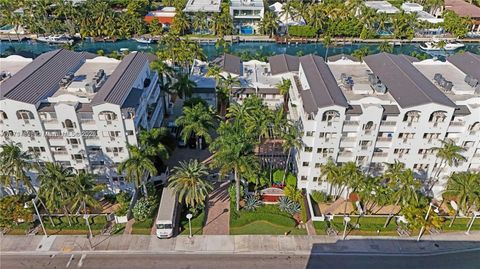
[269,24]
[234,151]
[152,142]
[56,187]
[183,86]
[405,191]
[449,154]
[198,120]
[330,171]
[284,88]
[385,47]
[180,23]
[164,71]
[84,190]
[465,187]
[327,41]
[188,181]
[291,140]
[288,12]
[137,167]
[215,72]
[361,53]
[14,164]
[352,178]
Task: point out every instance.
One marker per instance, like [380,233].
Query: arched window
[25,115]
[438,116]
[69,124]
[475,126]
[330,115]
[412,116]
[369,125]
[107,115]
[3,115]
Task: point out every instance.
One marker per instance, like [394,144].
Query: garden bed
[267,219]
[197,225]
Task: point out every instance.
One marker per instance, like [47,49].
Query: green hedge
[268,213]
[302,31]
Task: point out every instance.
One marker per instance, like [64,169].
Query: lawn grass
[370,225]
[78,225]
[266,219]
[143,227]
[197,225]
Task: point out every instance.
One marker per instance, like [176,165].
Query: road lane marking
[80,262]
[69,261]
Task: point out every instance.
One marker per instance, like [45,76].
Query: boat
[144,40]
[56,39]
[435,46]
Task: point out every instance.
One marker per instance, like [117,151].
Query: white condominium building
[246,15]
[79,109]
[387,108]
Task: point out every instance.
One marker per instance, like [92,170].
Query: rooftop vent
[376,84]
[473,82]
[66,79]
[442,82]
[4,75]
[346,81]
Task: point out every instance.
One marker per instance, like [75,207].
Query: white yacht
[56,39]
[144,40]
[434,45]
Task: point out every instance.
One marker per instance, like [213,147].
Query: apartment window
[317,165]
[315,179]
[330,115]
[303,178]
[310,117]
[309,133]
[308,149]
[69,124]
[411,116]
[36,149]
[107,116]
[129,132]
[3,115]
[25,115]
[304,164]
[438,116]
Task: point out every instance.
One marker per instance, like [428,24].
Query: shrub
[302,31]
[319,197]
[303,211]
[293,193]
[123,199]
[290,179]
[288,206]
[194,101]
[144,208]
[278,176]
[252,203]
[12,211]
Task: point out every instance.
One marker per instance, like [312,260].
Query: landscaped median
[266,219]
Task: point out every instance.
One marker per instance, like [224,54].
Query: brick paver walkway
[218,214]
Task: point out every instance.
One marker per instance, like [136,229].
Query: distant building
[207,6]
[164,16]
[465,10]
[246,15]
[421,15]
[285,20]
[206,88]
[382,7]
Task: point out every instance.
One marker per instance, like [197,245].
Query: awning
[391,110]
[461,110]
[354,110]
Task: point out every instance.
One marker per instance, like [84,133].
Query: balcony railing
[457,123]
[384,139]
[350,123]
[348,139]
[60,152]
[380,154]
[388,123]
[345,154]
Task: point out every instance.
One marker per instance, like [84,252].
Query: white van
[167,214]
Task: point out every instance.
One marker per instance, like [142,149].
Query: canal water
[252,48]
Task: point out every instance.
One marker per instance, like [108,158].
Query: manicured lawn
[197,225]
[144,227]
[78,225]
[370,225]
[267,219]
[20,229]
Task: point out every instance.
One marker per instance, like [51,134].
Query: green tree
[291,140]
[154,143]
[464,187]
[155,27]
[269,23]
[331,173]
[449,154]
[361,53]
[85,189]
[385,47]
[196,121]
[137,167]
[189,181]
[14,164]
[455,24]
[180,23]
[183,86]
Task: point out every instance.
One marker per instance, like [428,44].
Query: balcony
[87,121]
[380,154]
[350,123]
[457,123]
[60,152]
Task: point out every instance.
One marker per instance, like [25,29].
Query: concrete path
[239,244]
[129,226]
[218,211]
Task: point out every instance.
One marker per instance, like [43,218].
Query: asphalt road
[467,260]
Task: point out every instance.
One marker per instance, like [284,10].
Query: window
[107,116]
[315,179]
[317,165]
[411,116]
[308,149]
[305,164]
[3,115]
[69,124]
[330,115]
[438,116]
[310,133]
[129,132]
[303,178]
[25,115]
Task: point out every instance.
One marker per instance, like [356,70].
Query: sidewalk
[239,244]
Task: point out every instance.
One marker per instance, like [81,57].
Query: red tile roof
[462,8]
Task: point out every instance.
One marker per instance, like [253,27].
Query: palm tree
[84,190]
[180,23]
[465,187]
[269,23]
[137,167]
[234,151]
[405,191]
[288,12]
[183,86]
[449,154]
[330,171]
[198,120]
[385,47]
[361,53]
[188,181]
[163,70]
[14,163]
[352,178]
[284,88]
[327,41]
[224,92]
[291,140]
[56,187]
[152,142]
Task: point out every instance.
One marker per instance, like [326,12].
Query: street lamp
[426,218]
[346,220]
[39,216]
[189,217]
[475,215]
[455,208]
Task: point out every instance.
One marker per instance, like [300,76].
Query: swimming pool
[246,30]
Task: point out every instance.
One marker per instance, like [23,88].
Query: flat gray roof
[120,82]
[354,110]
[230,63]
[324,90]
[283,63]
[40,79]
[408,86]
[467,62]
[391,110]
